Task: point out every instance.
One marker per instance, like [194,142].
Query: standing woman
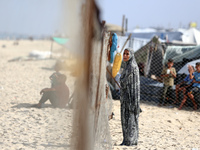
[129,98]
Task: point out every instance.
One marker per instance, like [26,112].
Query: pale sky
[43,17]
[147,13]
[30,16]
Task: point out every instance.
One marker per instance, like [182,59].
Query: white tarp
[134,43]
[191,36]
[184,69]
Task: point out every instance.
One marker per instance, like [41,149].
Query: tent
[184,69]
[181,55]
[171,36]
[61,41]
[191,36]
[151,56]
[134,43]
[192,54]
[173,51]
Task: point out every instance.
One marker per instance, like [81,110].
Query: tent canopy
[61,41]
[176,51]
[191,36]
[184,69]
[162,35]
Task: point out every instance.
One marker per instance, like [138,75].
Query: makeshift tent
[184,69]
[190,55]
[151,55]
[134,43]
[173,51]
[61,41]
[144,30]
[191,36]
[181,55]
[171,36]
[151,90]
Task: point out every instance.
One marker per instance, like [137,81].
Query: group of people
[58,95]
[190,86]
[130,92]
[129,80]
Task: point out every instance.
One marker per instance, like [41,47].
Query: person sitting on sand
[54,76]
[58,95]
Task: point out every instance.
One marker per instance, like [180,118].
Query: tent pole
[51,48]
[123,20]
[126,24]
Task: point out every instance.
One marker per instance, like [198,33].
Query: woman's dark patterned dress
[129,98]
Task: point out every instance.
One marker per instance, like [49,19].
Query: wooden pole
[123,19]
[113,77]
[51,48]
[126,24]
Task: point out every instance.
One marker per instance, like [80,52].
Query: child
[168,74]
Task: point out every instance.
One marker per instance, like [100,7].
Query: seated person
[141,68]
[58,95]
[195,88]
[184,85]
[55,75]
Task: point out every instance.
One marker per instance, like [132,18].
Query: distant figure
[58,94]
[168,74]
[130,98]
[141,68]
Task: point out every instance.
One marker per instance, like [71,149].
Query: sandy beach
[25,128]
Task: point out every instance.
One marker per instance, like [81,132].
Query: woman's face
[126,55]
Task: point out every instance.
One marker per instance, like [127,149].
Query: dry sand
[22,127]
[25,128]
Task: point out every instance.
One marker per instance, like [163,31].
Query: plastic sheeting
[184,69]
[170,36]
[176,51]
[151,90]
[191,36]
[134,43]
[61,41]
[190,54]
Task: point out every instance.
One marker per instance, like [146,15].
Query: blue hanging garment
[113,48]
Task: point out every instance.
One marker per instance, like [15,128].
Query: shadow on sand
[28,105]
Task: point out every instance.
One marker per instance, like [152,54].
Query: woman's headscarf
[131,67]
[131,56]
